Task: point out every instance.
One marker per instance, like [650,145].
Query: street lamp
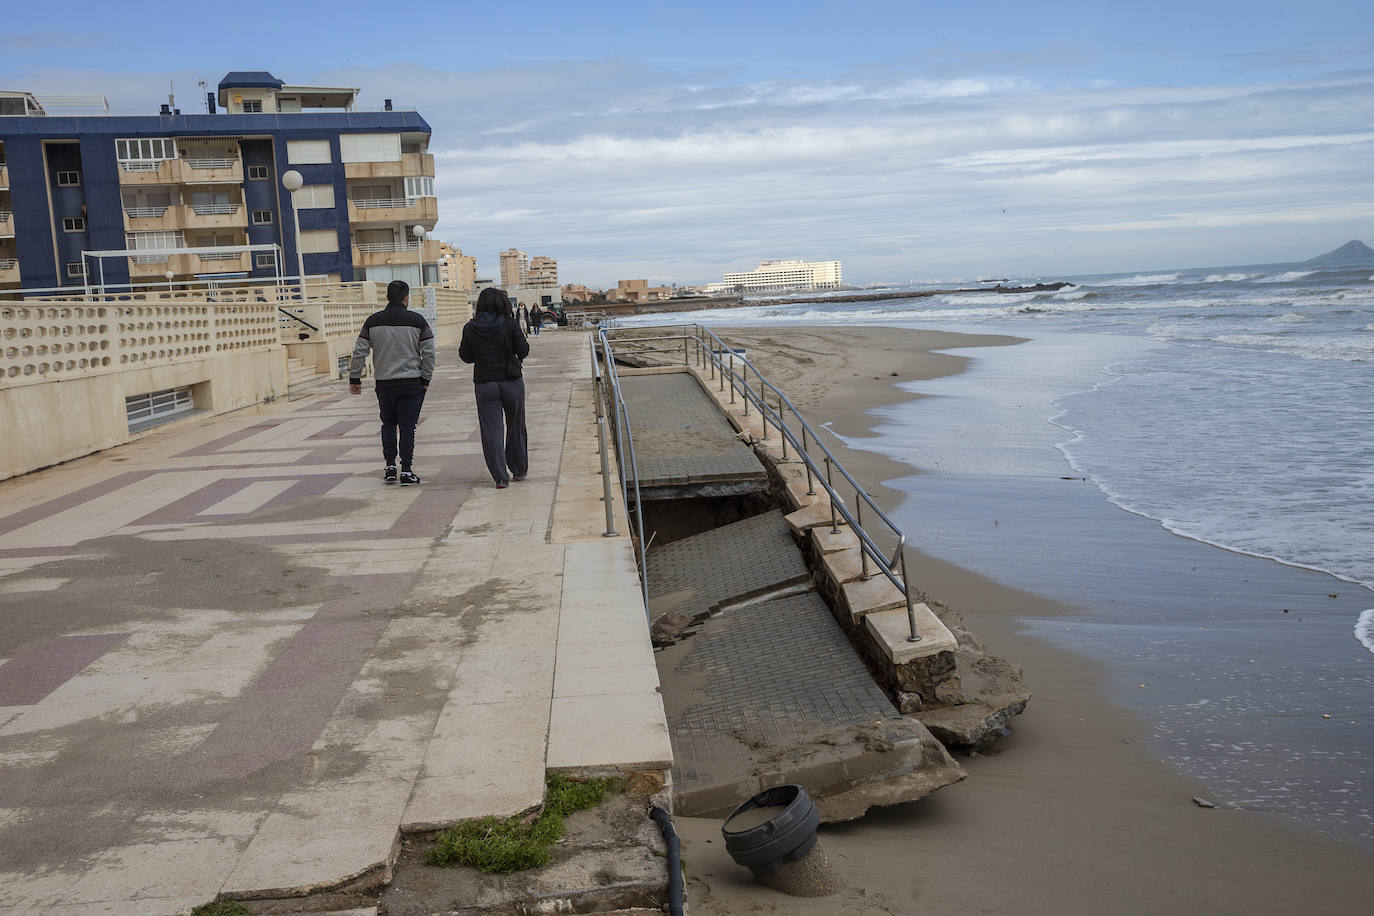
[292,181]
[169,275]
[420,244]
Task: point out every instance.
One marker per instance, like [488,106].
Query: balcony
[221,262]
[214,216]
[382,254]
[6,224]
[4,176]
[9,270]
[412,165]
[156,266]
[423,210]
[188,170]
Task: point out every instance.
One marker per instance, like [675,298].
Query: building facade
[515,265]
[783,274]
[542,273]
[456,270]
[201,195]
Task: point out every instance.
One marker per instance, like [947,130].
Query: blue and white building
[111,199]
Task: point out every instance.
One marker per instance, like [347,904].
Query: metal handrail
[721,359]
[380,203]
[625,450]
[295,317]
[214,209]
[378,247]
[145,212]
[210,163]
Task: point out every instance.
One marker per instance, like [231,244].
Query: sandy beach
[1070,813]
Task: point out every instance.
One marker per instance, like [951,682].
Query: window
[145,410]
[73,224]
[319,241]
[262,217]
[419,187]
[370,147]
[76,270]
[68,179]
[144,154]
[252,106]
[305,152]
[257,173]
[264,259]
[314,196]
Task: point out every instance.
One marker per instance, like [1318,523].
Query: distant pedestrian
[523,316]
[537,319]
[492,342]
[402,346]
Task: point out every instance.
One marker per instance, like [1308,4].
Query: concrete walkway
[233,661]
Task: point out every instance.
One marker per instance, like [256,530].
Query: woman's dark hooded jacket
[488,342]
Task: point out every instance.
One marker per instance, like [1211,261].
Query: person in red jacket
[494,344]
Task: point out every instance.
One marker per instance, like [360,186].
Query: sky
[910,141]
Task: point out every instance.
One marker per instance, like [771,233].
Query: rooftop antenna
[171,94]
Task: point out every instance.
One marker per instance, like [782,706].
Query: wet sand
[1071,813]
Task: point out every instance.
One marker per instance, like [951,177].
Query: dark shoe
[390,475]
[409,478]
[502,484]
[518,477]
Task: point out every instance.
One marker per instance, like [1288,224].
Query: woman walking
[493,343]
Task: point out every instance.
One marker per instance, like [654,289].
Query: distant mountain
[1354,250]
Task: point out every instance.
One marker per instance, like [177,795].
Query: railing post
[910,609]
[859,524]
[732,378]
[782,428]
[610,531]
[830,488]
[744,387]
[810,481]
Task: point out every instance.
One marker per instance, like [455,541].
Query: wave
[1290,318]
[1146,280]
[1225,278]
[1288,277]
[1364,629]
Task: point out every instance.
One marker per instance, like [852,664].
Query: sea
[1186,459]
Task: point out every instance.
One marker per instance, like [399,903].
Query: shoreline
[1075,788]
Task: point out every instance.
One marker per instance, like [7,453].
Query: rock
[668,628]
[1202,802]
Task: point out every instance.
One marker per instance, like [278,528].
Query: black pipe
[665,824]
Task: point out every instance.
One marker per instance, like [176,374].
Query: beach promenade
[236,663]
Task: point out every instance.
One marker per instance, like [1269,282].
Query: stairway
[301,378]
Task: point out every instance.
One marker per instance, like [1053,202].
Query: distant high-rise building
[456,270]
[542,273]
[783,274]
[515,265]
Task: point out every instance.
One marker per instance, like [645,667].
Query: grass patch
[222,908]
[500,847]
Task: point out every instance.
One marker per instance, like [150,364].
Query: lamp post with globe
[293,181]
[419,232]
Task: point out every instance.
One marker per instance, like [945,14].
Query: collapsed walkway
[234,663]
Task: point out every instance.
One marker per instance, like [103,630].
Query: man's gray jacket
[402,346]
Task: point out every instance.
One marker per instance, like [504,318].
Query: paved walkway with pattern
[233,661]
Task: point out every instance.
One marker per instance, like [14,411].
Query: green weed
[514,844]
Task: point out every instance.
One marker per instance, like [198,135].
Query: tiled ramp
[695,575]
[684,445]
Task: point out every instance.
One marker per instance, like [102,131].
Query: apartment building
[113,199]
[783,274]
[515,265]
[542,273]
[638,291]
[456,270]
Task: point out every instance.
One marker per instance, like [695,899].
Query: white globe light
[418,230]
[292,181]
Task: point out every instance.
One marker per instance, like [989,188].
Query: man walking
[402,346]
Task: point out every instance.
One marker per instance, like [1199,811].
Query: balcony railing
[382,203]
[219,255]
[214,209]
[376,247]
[149,258]
[145,212]
[8,263]
[141,165]
[210,163]
[5,215]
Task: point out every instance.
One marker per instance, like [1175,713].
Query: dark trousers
[400,407]
[501,416]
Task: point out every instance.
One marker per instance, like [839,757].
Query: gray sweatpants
[501,417]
